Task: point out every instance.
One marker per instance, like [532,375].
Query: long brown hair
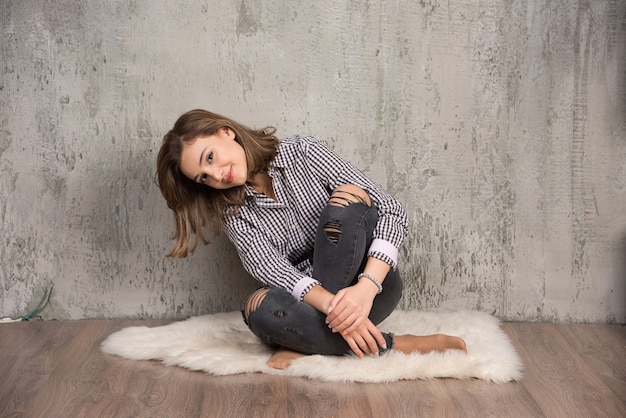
[200,209]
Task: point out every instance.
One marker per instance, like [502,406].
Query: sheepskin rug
[221,344]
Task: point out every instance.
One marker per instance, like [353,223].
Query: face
[216,160]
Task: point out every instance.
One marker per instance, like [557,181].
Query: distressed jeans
[282,321]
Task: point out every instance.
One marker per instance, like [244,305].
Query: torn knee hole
[345,198]
[332,230]
[254,301]
[339,201]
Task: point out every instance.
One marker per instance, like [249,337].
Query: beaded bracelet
[376,282]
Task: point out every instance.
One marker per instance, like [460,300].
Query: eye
[209,157]
[203,178]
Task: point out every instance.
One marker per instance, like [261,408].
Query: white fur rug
[221,344]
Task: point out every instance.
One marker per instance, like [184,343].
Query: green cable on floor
[41,305]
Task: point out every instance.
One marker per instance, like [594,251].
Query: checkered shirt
[275,239]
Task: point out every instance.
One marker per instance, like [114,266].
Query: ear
[225,130]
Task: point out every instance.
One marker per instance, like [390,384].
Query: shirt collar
[280,161]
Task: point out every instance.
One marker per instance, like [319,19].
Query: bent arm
[319,298]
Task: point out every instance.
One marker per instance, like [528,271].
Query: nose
[215,174]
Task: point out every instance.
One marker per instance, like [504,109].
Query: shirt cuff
[302,287]
[381,246]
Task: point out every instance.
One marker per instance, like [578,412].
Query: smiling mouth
[229,177]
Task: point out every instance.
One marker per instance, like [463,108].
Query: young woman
[321,237]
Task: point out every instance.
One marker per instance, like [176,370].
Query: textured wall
[500,124]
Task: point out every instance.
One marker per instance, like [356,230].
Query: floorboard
[56,369]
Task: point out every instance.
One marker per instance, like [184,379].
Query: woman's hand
[350,307]
[364,338]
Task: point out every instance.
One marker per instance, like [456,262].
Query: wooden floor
[55,369]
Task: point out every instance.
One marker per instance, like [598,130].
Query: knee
[343,196]
[347,194]
[254,301]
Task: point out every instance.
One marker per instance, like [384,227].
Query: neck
[262,183]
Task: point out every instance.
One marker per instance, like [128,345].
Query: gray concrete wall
[499,124]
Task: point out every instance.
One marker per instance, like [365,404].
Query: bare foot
[427,343]
[283,358]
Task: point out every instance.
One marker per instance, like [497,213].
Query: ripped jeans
[343,238]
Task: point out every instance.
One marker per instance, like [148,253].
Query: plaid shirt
[275,239]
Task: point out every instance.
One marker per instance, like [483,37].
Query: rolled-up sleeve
[263,261]
[275,238]
[393,222]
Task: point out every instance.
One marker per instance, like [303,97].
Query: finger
[377,335]
[364,345]
[372,347]
[336,323]
[343,311]
[335,311]
[353,322]
[343,319]
[353,346]
[347,323]
[355,325]
[335,300]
